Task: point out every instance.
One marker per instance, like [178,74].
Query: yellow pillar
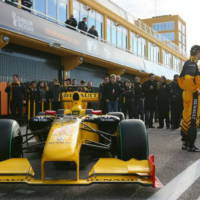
[147,50]
[161,56]
[105,27]
[3,41]
[71,10]
[19,4]
[70,62]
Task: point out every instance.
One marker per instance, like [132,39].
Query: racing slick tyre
[117,114]
[132,140]
[10,139]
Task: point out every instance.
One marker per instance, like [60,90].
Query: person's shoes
[184,147]
[193,149]
[167,126]
[151,127]
[160,127]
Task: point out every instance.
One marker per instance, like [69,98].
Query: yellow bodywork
[16,166]
[84,98]
[64,142]
[116,166]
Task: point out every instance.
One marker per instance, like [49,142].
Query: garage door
[29,64]
[88,72]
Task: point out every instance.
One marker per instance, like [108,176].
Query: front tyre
[10,139]
[132,140]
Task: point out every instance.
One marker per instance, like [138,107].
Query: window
[83,11]
[117,35]
[138,45]
[180,37]
[40,5]
[167,58]
[124,38]
[99,24]
[55,9]
[62,10]
[76,10]
[51,8]
[113,34]
[183,29]
[109,30]
[91,18]
[139,53]
[94,18]
[134,46]
[153,52]
[176,64]
[168,36]
[163,26]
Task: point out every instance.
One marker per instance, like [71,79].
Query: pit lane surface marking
[198,198]
[177,186]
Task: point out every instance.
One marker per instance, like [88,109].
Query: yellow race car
[63,136]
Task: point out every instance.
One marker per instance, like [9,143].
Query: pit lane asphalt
[170,161]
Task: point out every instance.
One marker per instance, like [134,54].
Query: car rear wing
[84,96]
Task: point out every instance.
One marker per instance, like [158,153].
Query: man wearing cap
[189,81]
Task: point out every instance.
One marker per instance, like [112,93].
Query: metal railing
[139,24]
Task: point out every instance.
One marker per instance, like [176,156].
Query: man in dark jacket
[27,4]
[128,100]
[176,104]
[150,95]
[139,96]
[93,32]
[82,25]
[121,85]
[32,96]
[17,93]
[102,90]
[163,103]
[71,22]
[112,94]
[55,92]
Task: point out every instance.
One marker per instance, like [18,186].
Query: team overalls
[189,81]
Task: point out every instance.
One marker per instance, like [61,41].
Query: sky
[188,10]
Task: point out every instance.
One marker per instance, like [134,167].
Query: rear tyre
[132,140]
[10,139]
[117,114]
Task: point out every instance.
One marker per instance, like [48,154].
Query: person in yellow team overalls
[189,81]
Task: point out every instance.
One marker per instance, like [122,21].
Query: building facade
[171,27]
[36,43]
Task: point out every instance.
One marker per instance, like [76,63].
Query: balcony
[34,25]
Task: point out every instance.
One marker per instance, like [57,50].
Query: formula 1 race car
[64,137]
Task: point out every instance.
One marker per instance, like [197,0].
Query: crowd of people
[151,101]
[40,93]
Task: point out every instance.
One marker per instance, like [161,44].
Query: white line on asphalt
[198,198]
[177,186]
